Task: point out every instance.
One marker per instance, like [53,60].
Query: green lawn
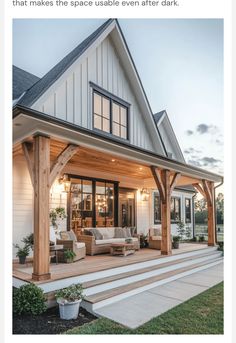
[202,314]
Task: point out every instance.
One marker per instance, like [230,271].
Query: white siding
[70,97]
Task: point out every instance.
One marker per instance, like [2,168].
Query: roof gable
[168,136]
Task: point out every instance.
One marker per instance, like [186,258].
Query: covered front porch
[53,150]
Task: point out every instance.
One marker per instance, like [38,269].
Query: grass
[202,314]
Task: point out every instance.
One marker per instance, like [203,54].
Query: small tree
[181,229]
[188,232]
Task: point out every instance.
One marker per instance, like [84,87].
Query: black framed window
[110,115]
[175,213]
[188,217]
[157,208]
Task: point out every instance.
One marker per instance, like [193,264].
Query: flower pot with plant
[175,243]
[69,255]
[69,300]
[22,253]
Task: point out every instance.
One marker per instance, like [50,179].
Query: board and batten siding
[70,97]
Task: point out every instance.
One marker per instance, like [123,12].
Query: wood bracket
[174,181]
[207,192]
[61,161]
[27,148]
[159,183]
[198,187]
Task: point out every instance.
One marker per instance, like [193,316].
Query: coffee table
[122,249]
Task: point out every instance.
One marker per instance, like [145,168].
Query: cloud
[194,163]
[204,128]
[219,142]
[189,132]
[205,162]
[192,151]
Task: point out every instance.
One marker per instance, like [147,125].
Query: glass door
[127,207]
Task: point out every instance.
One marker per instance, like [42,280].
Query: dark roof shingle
[22,81]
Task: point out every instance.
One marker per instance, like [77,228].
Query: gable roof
[22,81]
[157,116]
[48,79]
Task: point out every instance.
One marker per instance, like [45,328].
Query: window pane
[123,132]
[123,116]
[97,122]
[106,125]
[115,112]
[100,204]
[97,104]
[116,129]
[87,186]
[110,204]
[105,108]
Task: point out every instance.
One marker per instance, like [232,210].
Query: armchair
[155,238]
[69,241]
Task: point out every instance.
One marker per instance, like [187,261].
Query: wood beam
[166,245]
[174,181]
[61,161]
[207,191]
[27,148]
[198,187]
[159,183]
[211,215]
[41,208]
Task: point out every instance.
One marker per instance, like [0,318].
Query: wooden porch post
[162,181]
[207,190]
[41,207]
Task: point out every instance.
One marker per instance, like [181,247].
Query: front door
[127,207]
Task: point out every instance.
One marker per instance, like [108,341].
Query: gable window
[110,115]
[175,209]
[187,210]
[157,208]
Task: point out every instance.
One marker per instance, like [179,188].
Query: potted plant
[69,255]
[29,241]
[143,241]
[22,253]
[175,243]
[69,300]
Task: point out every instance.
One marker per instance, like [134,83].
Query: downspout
[193,212]
[221,183]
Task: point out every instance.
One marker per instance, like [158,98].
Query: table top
[56,247]
[122,244]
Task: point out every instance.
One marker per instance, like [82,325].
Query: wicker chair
[69,241]
[154,238]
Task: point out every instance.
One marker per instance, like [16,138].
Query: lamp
[145,194]
[65,180]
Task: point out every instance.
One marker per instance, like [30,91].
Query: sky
[180,63]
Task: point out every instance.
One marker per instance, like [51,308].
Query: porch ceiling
[95,149]
[95,160]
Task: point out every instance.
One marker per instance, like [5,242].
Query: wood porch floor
[98,263]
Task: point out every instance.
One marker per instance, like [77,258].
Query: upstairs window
[109,115]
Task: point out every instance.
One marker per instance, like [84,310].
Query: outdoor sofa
[99,240]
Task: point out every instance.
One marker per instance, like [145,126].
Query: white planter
[68,310]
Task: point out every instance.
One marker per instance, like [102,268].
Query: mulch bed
[48,322]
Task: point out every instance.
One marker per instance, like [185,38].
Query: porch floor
[98,263]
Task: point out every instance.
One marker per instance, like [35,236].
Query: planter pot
[69,310]
[22,259]
[175,245]
[69,260]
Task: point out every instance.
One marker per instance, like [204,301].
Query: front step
[107,290]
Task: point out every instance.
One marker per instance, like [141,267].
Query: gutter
[193,212]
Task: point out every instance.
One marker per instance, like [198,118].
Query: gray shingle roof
[157,116]
[48,79]
[22,80]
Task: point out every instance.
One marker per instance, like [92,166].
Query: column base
[211,244]
[166,253]
[41,277]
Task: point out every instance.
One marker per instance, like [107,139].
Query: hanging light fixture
[66,182]
[144,194]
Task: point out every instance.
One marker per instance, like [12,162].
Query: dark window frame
[188,220]
[156,220]
[112,99]
[174,220]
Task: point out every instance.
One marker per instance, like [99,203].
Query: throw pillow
[128,232]
[96,234]
[88,232]
[72,235]
[157,232]
[120,232]
[64,235]
[105,236]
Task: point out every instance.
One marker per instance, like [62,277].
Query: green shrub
[69,254]
[70,293]
[29,299]
[201,238]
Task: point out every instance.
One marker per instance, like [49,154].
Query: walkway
[139,309]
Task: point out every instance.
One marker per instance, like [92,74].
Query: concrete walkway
[139,309]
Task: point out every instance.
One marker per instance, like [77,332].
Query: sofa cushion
[107,232]
[79,245]
[156,238]
[120,232]
[128,232]
[113,240]
[72,235]
[88,232]
[65,235]
[97,234]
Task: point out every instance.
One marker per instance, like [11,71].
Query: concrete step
[116,290]
[107,283]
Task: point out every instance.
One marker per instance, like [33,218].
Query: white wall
[70,97]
